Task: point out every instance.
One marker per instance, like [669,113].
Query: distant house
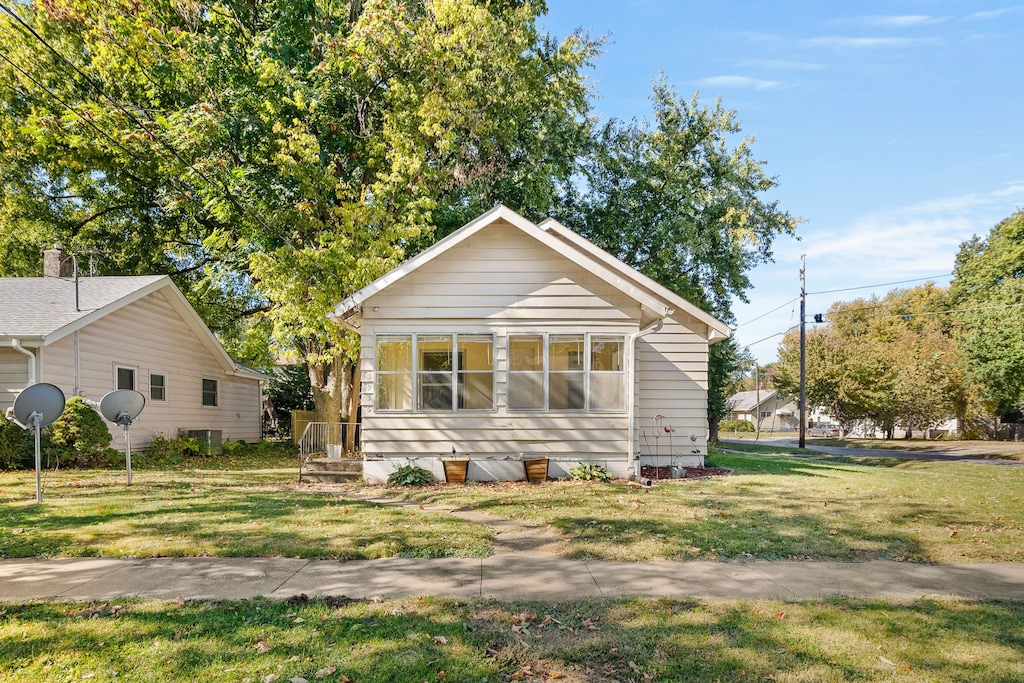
[774,411]
[509,339]
[127,333]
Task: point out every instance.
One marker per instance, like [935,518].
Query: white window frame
[202,392]
[135,376]
[414,373]
[587,372]
[162,386]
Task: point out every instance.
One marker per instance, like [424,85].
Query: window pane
[606,354]
[394,353]
[526,352]
[435,390]
[566,352]
[565,391]
[125,378]
[209,392]
[435,353]
[476,352]
[394,391]
[607,392]
[476,391]
[156,388]
[526,390]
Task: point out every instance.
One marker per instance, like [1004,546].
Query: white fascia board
[203,333]
[717,330]
[106,310]
[499,212]
[353,301]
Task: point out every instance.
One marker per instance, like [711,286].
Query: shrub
[410,475]
[17,447]
[80,438]
[234,447]
[735,426]
[590,471]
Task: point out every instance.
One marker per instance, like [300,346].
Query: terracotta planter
[455,471]
[536,469]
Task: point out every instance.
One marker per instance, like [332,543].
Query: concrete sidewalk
[523,576]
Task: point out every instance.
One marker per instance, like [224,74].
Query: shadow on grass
[632,639]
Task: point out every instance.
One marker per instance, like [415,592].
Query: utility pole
[803,353]
[757,406]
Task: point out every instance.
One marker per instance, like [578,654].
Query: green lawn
[234,506]
[773,507]
[446,640]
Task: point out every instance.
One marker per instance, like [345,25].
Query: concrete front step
[332,470]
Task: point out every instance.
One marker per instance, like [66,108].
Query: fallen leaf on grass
[886,661]
[555,674]
[440,640]
[525,672]
[326,671]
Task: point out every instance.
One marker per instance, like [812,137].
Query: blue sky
[895,129]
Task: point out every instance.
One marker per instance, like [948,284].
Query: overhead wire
[139,124]
[793,300]
[881,284]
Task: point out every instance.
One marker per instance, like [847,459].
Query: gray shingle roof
[41,306]
[746,401]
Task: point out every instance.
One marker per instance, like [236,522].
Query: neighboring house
[775,412]
[508,339]
[128,333]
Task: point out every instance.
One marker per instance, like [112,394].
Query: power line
[881,284]
[771,336]
[907,316]
[139,124]
[768,313]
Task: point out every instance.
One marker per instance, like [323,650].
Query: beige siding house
[509,340]
[128,333]
[776,412]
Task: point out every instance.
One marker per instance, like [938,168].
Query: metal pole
[757,406]
[128,452]
[803,354]
[39,465]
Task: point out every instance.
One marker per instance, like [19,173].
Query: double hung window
[566,372]
[435,372]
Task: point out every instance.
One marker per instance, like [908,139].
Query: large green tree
[683,201]
[988,292]
[891,361]
[276,155]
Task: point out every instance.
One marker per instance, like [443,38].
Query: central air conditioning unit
[210,438]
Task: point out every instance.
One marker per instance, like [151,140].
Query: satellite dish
[36,407]
[46,400]
[122,407]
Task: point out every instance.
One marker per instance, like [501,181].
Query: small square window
[209,392]
[157,387]
[125,378]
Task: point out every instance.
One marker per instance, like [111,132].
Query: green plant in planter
[590,471]
[410,475]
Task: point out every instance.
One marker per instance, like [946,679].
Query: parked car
[824,430]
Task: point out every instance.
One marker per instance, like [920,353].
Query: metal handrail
[317,437]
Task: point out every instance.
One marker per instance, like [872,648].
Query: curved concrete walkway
[512,576]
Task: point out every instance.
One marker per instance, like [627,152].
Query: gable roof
[649,294]
[717,330]
[38,311]
[746,401]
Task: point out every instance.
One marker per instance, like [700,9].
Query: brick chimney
[58,263]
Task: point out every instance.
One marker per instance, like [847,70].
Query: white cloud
[996,13]
[737,82]
[900,21]
[783,64]
[846,43]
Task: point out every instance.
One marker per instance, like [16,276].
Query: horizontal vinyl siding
[672,369]
[13,376]
[148,335]
[499,281]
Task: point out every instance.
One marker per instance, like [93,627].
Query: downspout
[634,397]
[16,345]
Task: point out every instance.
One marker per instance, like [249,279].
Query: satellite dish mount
[122,407]
[36,407]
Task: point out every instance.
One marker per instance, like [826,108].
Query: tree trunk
[325,379]
[352,405]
